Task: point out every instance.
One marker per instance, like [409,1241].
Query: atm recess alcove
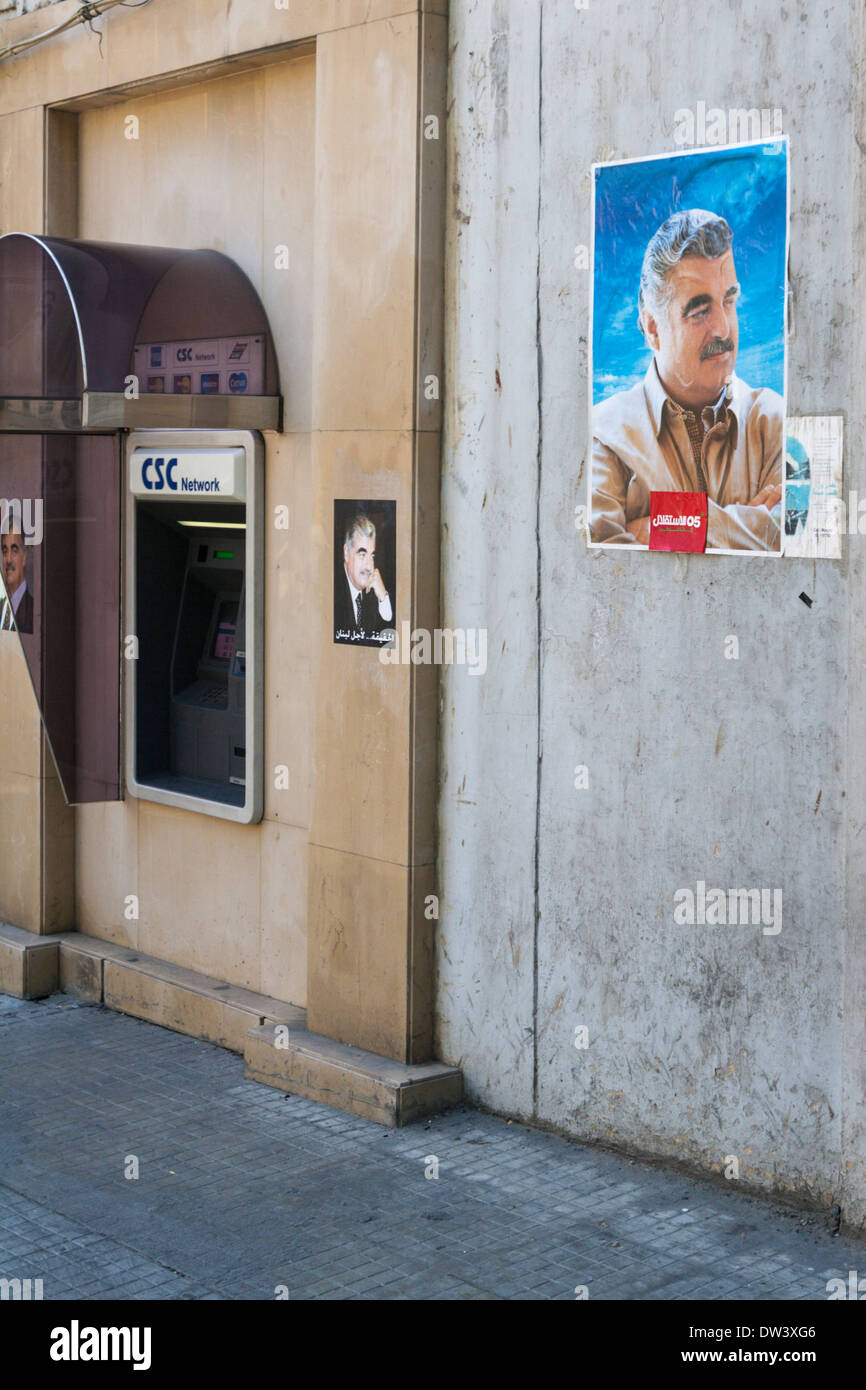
[96,340]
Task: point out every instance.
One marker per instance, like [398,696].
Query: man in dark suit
[362,606]
[18,605]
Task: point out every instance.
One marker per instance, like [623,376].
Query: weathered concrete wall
[557,904]
[854,999]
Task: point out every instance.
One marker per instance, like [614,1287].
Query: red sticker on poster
[678,521]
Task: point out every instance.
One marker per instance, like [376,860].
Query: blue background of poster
[748,187]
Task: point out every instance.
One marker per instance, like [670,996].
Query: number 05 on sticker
[678,521]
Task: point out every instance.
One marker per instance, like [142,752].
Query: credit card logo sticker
[215,366]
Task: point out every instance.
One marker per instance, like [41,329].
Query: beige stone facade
[259,128]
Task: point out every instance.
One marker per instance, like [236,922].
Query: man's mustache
[716,348]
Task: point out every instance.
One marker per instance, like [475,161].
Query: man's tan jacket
[641,445]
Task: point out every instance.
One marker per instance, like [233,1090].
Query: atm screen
[224,632]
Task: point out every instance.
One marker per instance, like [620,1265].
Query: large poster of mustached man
[687,372]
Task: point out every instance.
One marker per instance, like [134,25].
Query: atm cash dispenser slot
[194,698]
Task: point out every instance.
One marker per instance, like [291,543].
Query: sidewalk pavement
[244,1193]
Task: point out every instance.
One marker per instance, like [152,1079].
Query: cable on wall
[84,15]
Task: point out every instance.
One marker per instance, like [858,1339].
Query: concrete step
[167,994]
[292,1059]
[32,967]
[272,1036]
[29,964]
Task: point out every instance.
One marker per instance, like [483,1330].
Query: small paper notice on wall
[814,510]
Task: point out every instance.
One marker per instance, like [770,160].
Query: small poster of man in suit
[16,601]
[365,599]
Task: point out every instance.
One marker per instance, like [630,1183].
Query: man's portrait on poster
[364,572]
[688,366]
[16,595]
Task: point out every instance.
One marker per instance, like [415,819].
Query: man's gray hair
[360,523]
[690,233]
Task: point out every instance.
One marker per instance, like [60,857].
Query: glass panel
[97,618]
[110,285]
[61,568]
[205,298]
[39,353]
[122,296]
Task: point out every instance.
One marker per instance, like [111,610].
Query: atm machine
[194,621]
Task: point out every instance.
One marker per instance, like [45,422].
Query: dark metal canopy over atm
[97,339]
[77,319]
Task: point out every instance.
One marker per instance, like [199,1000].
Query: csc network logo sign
[156,477]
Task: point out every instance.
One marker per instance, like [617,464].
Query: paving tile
[241,1190]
